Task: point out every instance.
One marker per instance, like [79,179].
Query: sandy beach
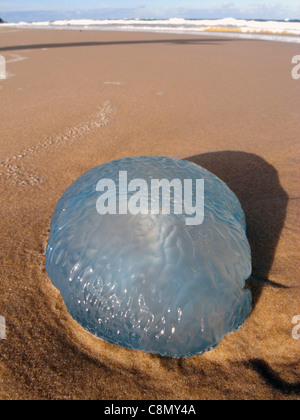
[77,99]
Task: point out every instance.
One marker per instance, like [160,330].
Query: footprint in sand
[13,170]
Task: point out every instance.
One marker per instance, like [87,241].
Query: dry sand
[74,100]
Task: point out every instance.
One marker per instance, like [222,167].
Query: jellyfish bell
[146,280]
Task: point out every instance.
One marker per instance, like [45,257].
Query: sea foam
[283,31]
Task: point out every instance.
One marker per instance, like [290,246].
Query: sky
[11,10]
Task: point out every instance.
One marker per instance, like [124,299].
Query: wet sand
[74,100]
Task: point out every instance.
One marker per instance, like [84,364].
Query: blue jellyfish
[151,253]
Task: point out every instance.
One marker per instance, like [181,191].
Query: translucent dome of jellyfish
[154,282]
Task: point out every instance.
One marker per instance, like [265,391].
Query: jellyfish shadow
[271,377]
[256,184]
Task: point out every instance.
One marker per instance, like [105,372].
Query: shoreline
[178,27]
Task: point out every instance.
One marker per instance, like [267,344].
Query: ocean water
[282,31]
